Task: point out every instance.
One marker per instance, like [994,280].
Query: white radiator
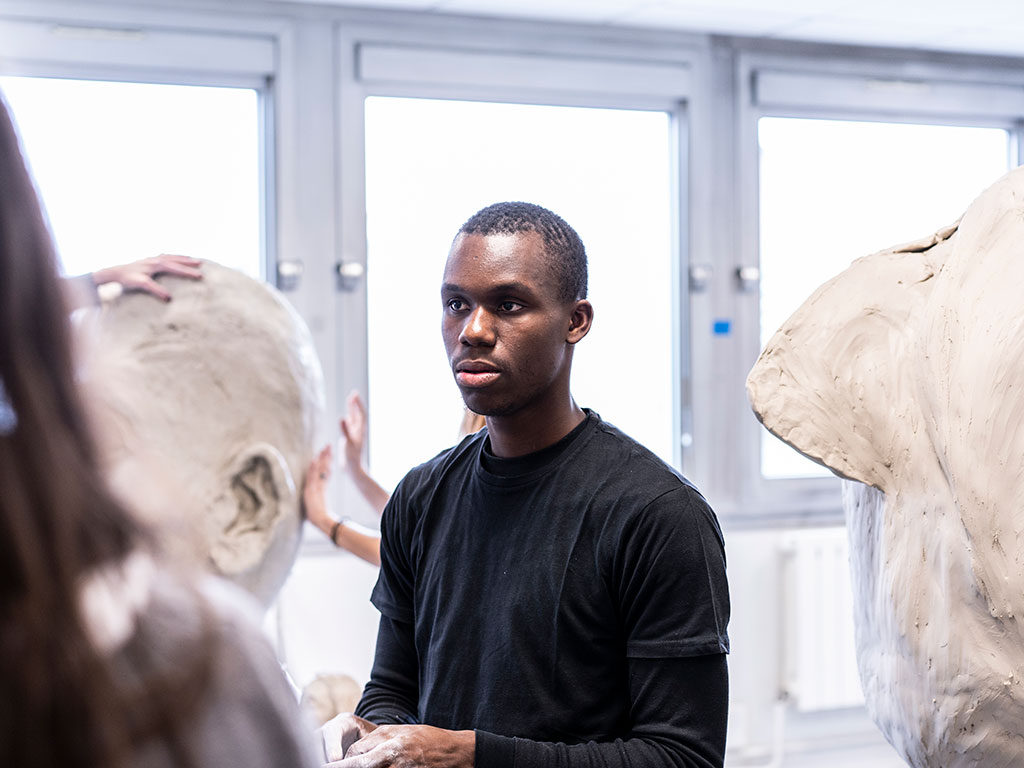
[819,659]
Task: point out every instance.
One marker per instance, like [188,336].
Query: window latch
[700,277]
[289,273]
[349,273]
[749,278]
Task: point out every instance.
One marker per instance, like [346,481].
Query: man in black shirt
[551,593]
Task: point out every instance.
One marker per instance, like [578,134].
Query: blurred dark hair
[61,701]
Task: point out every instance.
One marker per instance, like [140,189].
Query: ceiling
[978,26]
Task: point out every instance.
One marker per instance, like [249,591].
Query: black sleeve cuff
[493,751]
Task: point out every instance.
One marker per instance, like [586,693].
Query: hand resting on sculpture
[343,534]
[138,275]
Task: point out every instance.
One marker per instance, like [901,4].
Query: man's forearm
[382,709]
[679,706]
[504,752]
[392,694]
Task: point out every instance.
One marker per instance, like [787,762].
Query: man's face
[506,330]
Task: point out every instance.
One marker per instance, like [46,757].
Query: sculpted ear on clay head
[216,399]
[259,496]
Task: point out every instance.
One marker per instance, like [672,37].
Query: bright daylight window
[431,164]
[832,191]
[128,170]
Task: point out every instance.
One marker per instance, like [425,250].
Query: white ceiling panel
[907,13]
[1004,40]
[391,5]
[867,32]
[725,11]
[739,20]
[983,26]
[591,11]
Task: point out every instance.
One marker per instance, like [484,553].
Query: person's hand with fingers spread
[353,437]
[406,746]
[353,430]
[313,493]
[362,545]
[138,275]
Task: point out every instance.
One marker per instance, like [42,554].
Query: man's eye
[510,306]
[456,305]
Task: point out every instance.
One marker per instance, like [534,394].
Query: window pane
[128,170]
[430,165]
[832,191]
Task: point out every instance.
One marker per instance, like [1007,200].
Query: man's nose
[478,329]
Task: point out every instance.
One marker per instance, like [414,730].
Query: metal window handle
[349,273]
[700,277]
[749,278]
[289,273]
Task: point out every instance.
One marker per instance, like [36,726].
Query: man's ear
[580,321]
[260,492]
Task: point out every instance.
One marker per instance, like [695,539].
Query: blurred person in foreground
[109,655]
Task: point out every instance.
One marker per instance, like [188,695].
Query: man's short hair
[564,249]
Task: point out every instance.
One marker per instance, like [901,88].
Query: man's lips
[476,373]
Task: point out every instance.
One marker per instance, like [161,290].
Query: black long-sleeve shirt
[569,606]
[679,711]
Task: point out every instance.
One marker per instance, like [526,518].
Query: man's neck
[526,432]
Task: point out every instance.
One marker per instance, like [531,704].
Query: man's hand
[342,732]
[138,276]
[410,746]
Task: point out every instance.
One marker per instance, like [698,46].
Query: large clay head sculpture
[210,406]
[905,373]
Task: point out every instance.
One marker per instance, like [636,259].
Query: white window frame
[138,51]
[288,58]
[521,66]
[898,90]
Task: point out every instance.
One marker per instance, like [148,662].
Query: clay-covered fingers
[371,741]
[379,749]
[341,732]
[382,757]
[412,746]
